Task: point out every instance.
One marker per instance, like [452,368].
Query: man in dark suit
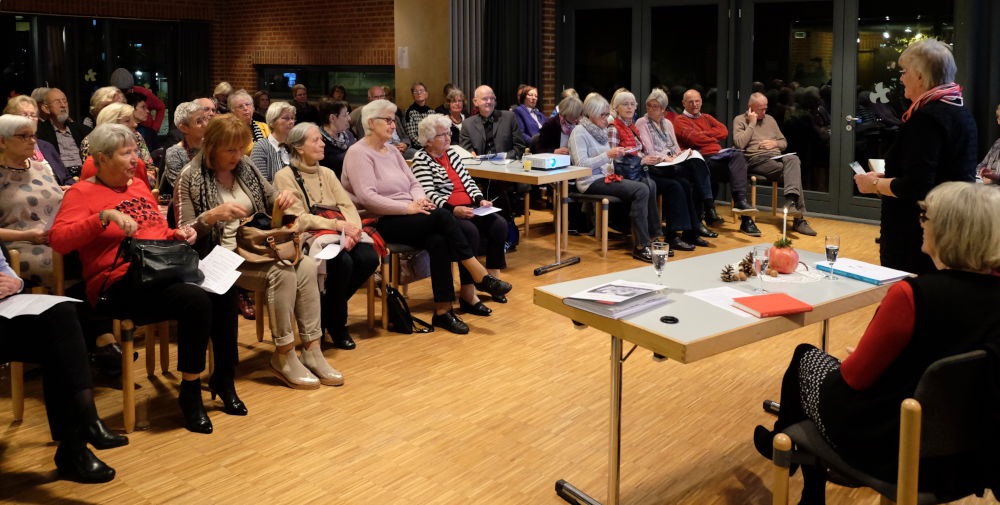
[61,131]
[491,131]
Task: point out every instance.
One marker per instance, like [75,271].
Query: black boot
[226,391]
[692,237]
[740,201]
[711,217]
[748,227]
[705,232]
[195,418]
[75,462]
[98,435]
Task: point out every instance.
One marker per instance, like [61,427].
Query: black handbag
[400,319]
[159,262]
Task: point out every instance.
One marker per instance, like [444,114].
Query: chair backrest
[958,398]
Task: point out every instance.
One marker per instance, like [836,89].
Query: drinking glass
[760,267]
[660,251]
[832,250]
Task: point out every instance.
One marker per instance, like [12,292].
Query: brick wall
[550,95]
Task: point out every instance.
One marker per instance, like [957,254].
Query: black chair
[959,428]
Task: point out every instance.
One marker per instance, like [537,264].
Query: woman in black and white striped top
[443,177]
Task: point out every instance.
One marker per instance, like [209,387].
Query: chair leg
[370,303]
[659,207]
[17,389]
[124,331]
[527,213]
[782,461]
[774,198]
[384,269]
[604,227]
[163,329]
[258,309]
[211,359]
[150,340]
[909,452]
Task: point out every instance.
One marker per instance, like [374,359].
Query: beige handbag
[256,242]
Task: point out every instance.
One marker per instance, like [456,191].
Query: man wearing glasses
[491,131]
[400,140]
[61,131]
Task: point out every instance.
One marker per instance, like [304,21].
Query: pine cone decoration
[746,265]
[729,274]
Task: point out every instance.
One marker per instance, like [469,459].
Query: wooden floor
[493,417]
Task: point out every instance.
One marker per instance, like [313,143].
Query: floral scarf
[950,94]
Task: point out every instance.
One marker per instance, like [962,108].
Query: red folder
[771,304]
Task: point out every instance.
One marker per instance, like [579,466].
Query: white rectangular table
[703,329]
[514,172]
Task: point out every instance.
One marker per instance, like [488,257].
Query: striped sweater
[433,178]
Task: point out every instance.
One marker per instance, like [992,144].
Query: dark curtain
[193,55]
[512,48]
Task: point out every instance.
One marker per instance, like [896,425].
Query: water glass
[660,252]
[832,250]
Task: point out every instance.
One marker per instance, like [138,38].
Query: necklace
[25,168]
[112,188]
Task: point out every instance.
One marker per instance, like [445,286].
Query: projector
[547,161]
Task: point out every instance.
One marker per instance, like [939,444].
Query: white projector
[546,161]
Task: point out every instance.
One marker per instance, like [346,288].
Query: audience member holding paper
[96,215]
[54,340]
[762,142]
[658,138]
[218,188]
[935,144]
[989,168]
[324,207]
[855,403]
[448,185]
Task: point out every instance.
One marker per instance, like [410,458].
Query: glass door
[600,49]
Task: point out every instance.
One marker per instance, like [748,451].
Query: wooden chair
[951,418]
[390,277]
[601,204]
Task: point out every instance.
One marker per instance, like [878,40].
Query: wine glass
[659,251]
[832,250]
[760,267]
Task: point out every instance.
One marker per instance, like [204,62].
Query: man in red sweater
[704,134]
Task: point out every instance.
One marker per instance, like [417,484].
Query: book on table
[771,304]
[865,272]
[617,299]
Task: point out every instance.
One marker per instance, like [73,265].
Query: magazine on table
[618,299]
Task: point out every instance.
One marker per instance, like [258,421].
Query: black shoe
[677,243]
[108,359]
[643,254]
[78,464]
[477,309]
[749,227]
[99,436]
[493,286]
[500,298]
[692,237]
[231,404]
[711,217]
[343,340]
[705,232]
[763,440]
[189,399]
[450,322]
[741,204]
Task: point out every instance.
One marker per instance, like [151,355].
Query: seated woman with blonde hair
[99,100]
[123,114]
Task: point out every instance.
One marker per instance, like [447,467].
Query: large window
[278,80]
[696,67]
[603,59]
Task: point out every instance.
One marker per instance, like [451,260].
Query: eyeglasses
[388,120]
[419,91]
[445,134]
[244,106]
[27,137]
[31,115]
[376,97]
[287,118]
[923,212]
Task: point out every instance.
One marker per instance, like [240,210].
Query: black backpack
[400,319]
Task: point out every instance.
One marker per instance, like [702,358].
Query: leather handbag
[400,318]
[159,262]
[256,242]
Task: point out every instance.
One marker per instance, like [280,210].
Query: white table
[703,329]
[514,172]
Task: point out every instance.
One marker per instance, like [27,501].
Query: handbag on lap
[158,262]
[256,242]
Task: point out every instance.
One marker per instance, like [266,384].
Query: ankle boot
[189,399]
[76,463]
[314,360]
[711,216]
[290,370]
[740,201]
[226,391]
[98,435]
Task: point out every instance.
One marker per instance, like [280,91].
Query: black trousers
[200,316]
[439,234]
[345,273]
[490,230]
[679,210]
[55,341]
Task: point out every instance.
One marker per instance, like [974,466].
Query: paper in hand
[219,269]
[485,211]
[329,252]
[30,305]
[857,168]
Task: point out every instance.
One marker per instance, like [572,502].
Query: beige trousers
[289,290]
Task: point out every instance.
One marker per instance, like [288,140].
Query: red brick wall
[174,9]
[550,95]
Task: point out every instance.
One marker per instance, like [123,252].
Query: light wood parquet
[493,417]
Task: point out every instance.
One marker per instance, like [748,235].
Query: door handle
[850,119]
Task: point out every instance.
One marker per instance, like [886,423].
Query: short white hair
[965,224]
[594,105]
[659,96]
[182,114]
[298,137]
[240,93]
[427,129]
[933,59]
[39,94]
[376,109]
[621,97]
[108,138]
[11,123]
[275,110]
[223,88]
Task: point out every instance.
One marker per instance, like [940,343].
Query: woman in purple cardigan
[382,186]
[529,118]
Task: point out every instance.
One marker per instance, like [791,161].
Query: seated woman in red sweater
[855,403]
[96,215]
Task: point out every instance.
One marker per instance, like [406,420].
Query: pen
[494,199]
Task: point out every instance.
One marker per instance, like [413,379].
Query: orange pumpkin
[782,257]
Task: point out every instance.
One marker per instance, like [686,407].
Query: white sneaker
[288,368]
[314,360]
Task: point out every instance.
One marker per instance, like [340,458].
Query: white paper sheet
[485,211]
[219,268]
[857,168]
[30,305]
[329,252]
[778,157]
[876,165]
[681,158]
[721,297]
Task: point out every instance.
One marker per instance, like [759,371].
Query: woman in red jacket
[96,215]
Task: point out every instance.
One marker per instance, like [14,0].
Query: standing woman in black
[936,144]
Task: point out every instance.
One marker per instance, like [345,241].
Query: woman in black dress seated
[54,340]
[855,403]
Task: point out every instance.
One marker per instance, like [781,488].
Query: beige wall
[423,26]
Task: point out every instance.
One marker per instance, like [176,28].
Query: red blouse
[459,196]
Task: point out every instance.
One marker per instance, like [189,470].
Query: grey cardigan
[585,151]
